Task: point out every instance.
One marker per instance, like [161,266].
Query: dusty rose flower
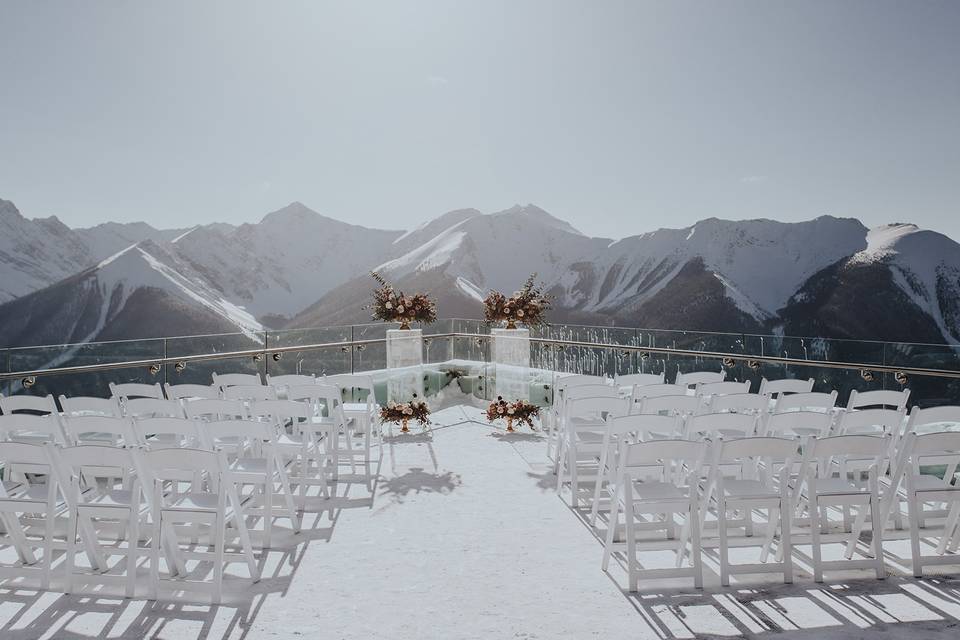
[389,305]
[400,309]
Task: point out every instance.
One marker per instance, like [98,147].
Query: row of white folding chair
[680,486]
[239,435]
[751,487]
[551,423]
[863,451]
[74,487]
[580,438]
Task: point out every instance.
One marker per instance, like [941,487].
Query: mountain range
[829,276]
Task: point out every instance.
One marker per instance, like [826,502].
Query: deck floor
[466,538]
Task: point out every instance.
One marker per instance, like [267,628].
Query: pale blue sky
[620,117]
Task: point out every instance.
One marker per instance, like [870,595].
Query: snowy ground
[466,538]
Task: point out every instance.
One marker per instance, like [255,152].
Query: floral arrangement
[519,410]
[527,306]
[403,412]
[390,305]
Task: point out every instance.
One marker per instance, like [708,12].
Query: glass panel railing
[341,358]
[457,354]
[80,355]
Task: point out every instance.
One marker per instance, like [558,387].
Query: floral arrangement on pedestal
[403,412]
[519,410]
[527,306]
[390,305]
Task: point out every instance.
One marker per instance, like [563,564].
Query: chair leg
[612,523]
[574,479]
[724,551]
[155,540]
[695,547]
[877,535]
[786,539]
[815,539]
[71,555]
[219,539]
[267,510]
[629,517]
[914,516]
[47,549]
[133,552]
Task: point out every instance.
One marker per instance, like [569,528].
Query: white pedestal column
[511,359]
[405,364]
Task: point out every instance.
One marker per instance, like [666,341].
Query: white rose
[389,305]
[400,309]
[510,411]
[408,411]
[520,313]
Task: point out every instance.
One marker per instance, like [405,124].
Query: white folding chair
[224,380]
[551,421]
[669,405]
[250,393]
[570,393]
[810,401]
[879,399]
[738,403]
[24,427]
[217,506]
[700,377]
[619,431]
[626,383]
[655,391]
[183,392]
[654,479]
[804,424]
[152,408]
[89,473]
[283,382]
[303,435]
[156,433]
[931,479]
[843,471]
[99,430]
[721,425]
[88,406]
[582,439]
[21,496]
[725,388]
[920,421]
[776,388]
[760,480]
[256,463]
[363,412]
[27,404]
[131,390]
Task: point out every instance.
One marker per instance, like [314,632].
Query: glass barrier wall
[457,352]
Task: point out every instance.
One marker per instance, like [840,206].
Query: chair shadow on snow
[416,481]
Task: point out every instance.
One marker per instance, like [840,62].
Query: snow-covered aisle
[464,540]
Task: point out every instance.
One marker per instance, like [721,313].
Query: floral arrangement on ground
[390,305]
[519,410]
[527,306]
[403,412]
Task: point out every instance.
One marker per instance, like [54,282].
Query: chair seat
[652,491]
[356,407]
[250,465]
[838,486]
[734,488]
[932,483]
[200,501]
[118,498]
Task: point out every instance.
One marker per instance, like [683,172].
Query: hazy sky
[620,117]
